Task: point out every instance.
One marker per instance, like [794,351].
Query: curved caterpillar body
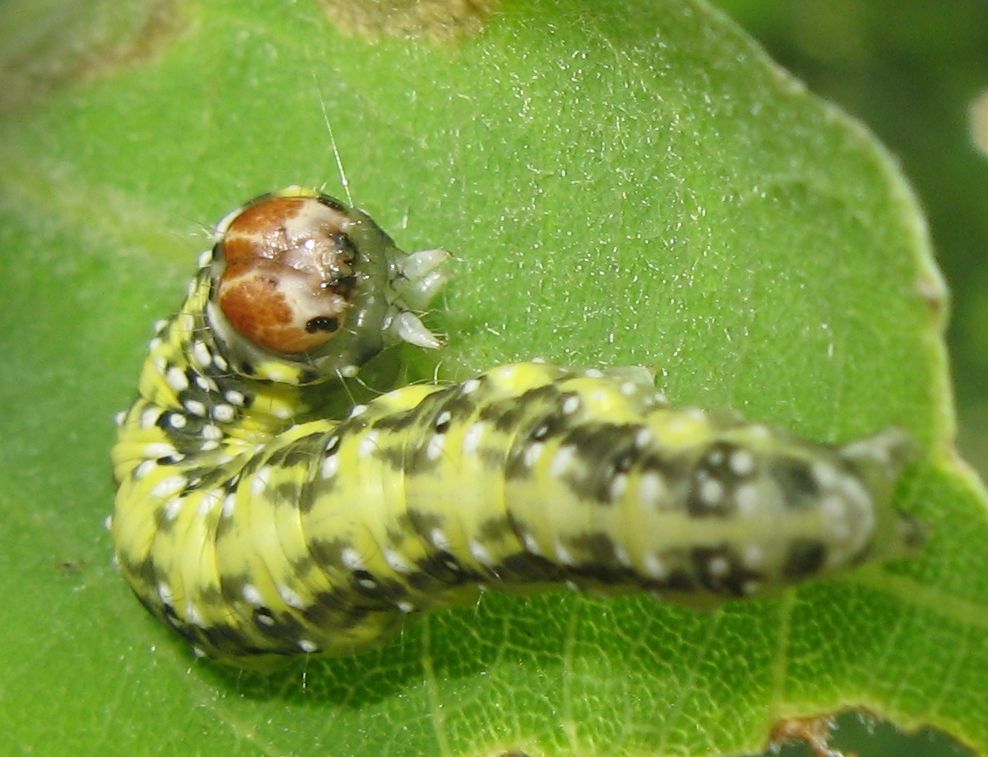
[254,526]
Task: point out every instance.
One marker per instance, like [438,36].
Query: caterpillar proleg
[255,526]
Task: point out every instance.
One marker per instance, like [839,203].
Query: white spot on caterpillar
[742,462]
[563,554]
[193,615]
[435,448]
[439,538]
[351,559]
[747,496]
[396,561]
[472,438]
[166,487]
[358,410]
[752,556]
[260,481]
[252,595]
[532,544]
[562,461]
[234,397]
[711,492]
[165,593]
[177,421]
[469,387]
[195,407]
[307,646]
[142,470]
[480,553]
[224,413]
[159,449]
[618,486]
[533,453]
[750,586]
[368,445]
[824,474]
[177,379]
[173,508]
[571,404]
[200,353]
[211,432]
[622,555]
[150,417]
[759,432]
[290,597]
[651,489]
[209,502]
[654,566]
[330,466]
[718,566]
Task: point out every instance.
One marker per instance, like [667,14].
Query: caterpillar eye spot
[529,474]
[322,323]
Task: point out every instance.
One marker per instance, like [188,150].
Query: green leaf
[621,185]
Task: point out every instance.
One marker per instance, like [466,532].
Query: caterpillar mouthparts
[255,526]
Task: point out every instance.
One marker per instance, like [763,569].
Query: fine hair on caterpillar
[256,526]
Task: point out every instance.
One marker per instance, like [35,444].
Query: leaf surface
[626,185]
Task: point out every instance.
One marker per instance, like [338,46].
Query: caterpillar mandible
[255,526]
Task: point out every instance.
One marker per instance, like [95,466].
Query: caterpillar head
[300,276]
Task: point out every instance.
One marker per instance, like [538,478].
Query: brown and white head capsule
[289,272]
[304,288]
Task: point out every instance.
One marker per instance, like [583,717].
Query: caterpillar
[258,527]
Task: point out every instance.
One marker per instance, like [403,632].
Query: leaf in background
[635,184]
